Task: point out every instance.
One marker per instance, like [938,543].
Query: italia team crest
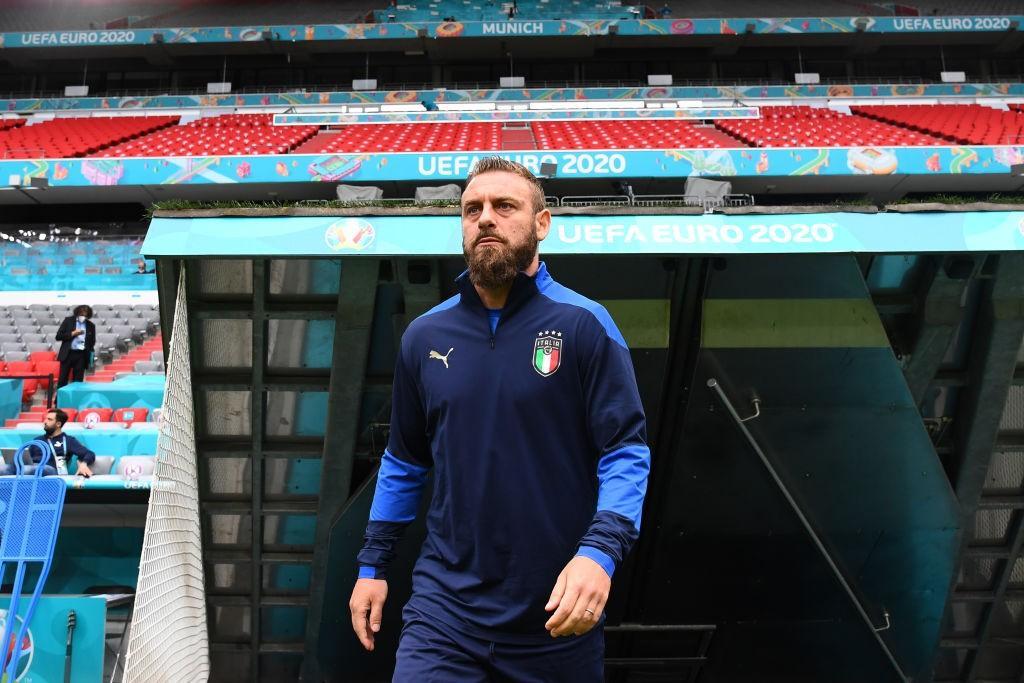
[547,352]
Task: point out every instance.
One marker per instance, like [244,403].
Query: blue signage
[449,166]
[448,30]
[824,233]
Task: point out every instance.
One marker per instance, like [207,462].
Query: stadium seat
[47,367]
[227,134]
[18,367]
[130,415]
[101,465]
[135,466]
[79,136]
[960,123]
[804,126]
[94,415]
[42,356]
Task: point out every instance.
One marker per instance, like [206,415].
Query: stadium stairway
[126,363]
[517,136]
[318,143]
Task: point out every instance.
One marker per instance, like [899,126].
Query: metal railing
[50,380]
[661,200]
[644,200]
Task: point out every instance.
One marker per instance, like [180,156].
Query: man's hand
[367,607]
[580,594]
[83,470]
[75,333]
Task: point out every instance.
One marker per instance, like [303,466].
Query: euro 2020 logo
[26,646]
[350,234]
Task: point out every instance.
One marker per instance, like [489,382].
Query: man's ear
[543,224]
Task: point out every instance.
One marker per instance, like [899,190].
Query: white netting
[167,642]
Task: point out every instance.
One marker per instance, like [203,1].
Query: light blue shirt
[493,316]
[78,343]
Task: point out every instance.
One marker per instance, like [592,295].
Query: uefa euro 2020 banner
[446,166]
[822,233]
[449,30]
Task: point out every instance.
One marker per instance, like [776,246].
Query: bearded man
[520,395]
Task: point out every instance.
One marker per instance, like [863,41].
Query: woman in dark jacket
[77,337]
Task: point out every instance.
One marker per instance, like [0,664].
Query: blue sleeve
[615,419]
[401,478]
[77,448]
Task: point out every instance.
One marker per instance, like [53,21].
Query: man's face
[500,231]
[50,423]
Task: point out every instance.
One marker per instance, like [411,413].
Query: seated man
[64,446]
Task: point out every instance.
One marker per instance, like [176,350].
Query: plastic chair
[130,415]
[94,415]
[33,505]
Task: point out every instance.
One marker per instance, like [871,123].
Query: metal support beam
[998,332]
[941,314]
[257,406]
[167,274]
[353,322]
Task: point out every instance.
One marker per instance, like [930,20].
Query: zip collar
[524,287]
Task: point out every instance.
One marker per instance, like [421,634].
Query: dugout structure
[835,408]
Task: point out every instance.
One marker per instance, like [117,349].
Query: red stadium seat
[960,123]
[47,367]
[42,356]
[71,412]
[18,367]
[77,136]
[130,415]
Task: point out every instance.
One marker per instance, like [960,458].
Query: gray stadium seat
[157,356]
[39,346]
[146,366]
[12,346]
[9,337]
[102,464]
[15,355]
[127,332]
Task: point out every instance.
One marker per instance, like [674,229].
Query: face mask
[49,429]
[81,318]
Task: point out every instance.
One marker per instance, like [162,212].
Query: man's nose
[486,215]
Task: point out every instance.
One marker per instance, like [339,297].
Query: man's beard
[49,430]
[495,266]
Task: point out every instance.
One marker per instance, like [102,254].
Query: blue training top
[537,439]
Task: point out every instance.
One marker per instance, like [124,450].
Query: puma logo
[443,359]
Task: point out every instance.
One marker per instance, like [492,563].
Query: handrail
[806,523]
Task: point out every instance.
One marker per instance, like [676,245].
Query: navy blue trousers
[428,653]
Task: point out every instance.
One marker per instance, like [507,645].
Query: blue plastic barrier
[30,510]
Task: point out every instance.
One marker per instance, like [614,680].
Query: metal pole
[741,423]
